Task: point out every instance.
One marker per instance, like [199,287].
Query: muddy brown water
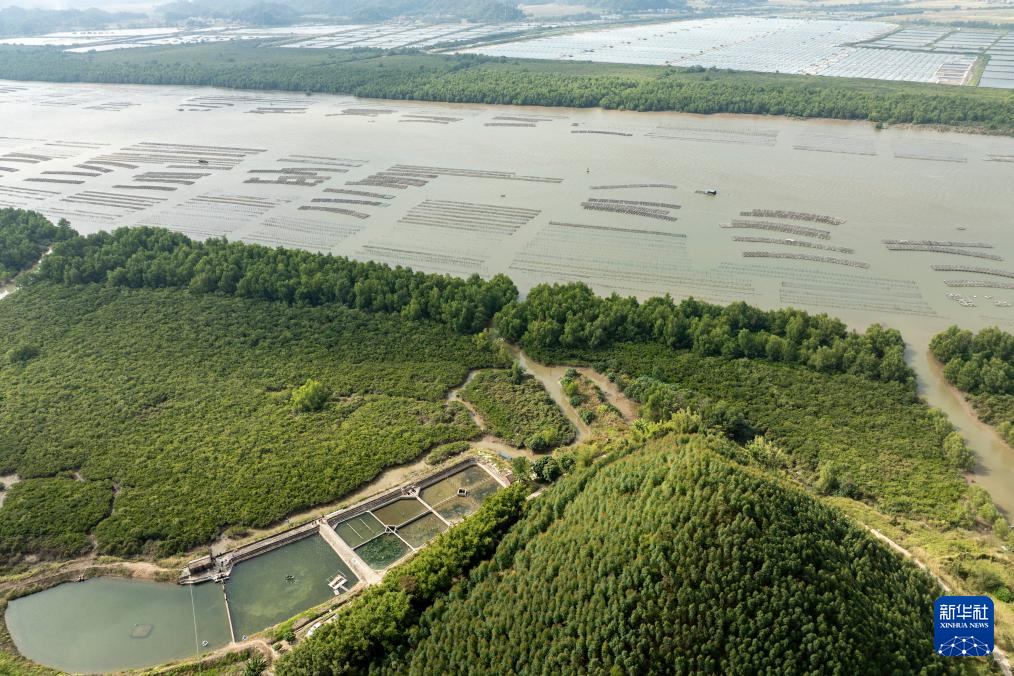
[508,189]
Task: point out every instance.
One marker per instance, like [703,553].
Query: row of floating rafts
[473,173]
[805,257]
[943,249]
[793,216]
[335,210]
[658,214]
[485,208]
[381,183]
[360,193]
[600,131]
[978,283]
[636,203]
[800,230]
[302,180]
[935,242]
[634,185]
[794,242]
[366,112]
[348,200]
[973,269]
[386,179]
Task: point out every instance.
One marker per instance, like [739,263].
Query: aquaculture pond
[383,551]
[422,530]
[273,587]
[460,494]
[384,535]
[359,529]
[112,624]
[399,511]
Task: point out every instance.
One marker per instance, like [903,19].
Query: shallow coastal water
[534,193]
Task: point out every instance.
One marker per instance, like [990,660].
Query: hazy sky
[110,5]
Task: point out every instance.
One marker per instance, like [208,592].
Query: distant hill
[639,5]
[19,21]
[674,559]
[275,13]
[617,5]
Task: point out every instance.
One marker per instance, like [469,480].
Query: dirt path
[260,645]
[7,481]
[454,396]
[138,569]
[550,377]
[1001,657]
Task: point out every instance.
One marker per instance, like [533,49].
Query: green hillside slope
[673,559]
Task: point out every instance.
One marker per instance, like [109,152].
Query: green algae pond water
[111,624]
[273,587]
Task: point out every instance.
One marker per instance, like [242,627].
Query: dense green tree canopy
[474,79]
[977,363]
[671,559]
[571,316]
[881,441]
[183,402]
[24,237]
[155,258]
[52,517]
[981,365]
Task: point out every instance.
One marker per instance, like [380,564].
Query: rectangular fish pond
[272,587]
[387,529]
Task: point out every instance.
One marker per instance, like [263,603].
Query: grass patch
[970,562]
[446,451]
[517,409]
[591,404]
